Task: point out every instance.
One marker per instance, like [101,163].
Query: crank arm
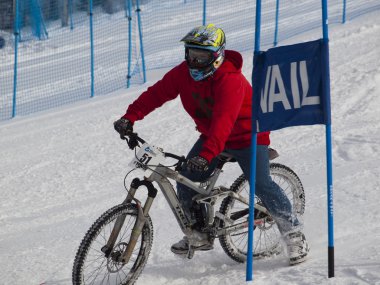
[190,253]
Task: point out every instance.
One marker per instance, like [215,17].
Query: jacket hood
[233,62]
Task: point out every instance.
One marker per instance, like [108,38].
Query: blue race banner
[288,86]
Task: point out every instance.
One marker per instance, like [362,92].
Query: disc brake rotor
[113,263]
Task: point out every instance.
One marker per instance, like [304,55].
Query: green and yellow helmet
[206,36]
[204,50]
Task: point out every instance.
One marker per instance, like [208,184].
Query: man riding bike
[217,96]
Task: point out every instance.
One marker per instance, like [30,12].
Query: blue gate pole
[204,12]
[41,22]
[344,11]
[330,209]
[71,14]
[37,19]
[276,25]
[129,15]
[141,39]
[46,34]
[252,180]
[249,270]
[16,34]
[92,49]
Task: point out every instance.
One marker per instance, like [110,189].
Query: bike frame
[161,175]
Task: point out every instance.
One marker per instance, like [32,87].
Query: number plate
[147,159]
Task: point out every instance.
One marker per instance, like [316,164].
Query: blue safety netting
[55,52]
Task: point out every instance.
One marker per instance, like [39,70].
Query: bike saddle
[226,157]
[273,153]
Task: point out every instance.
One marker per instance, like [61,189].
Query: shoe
[182,247]
[297,246]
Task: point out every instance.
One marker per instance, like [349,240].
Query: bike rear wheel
[267,238]
[92,266]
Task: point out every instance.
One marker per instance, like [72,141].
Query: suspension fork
[140,220]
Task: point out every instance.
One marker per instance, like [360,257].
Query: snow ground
[64,167]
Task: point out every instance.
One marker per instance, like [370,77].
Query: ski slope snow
[62,168]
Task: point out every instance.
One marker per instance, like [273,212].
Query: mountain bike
[116,247]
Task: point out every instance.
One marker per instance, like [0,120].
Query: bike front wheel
[92,266]
[267,238]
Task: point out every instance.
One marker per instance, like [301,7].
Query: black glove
[123,127]
[197,163]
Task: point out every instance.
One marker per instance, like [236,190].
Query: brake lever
[132,141]
[181,165]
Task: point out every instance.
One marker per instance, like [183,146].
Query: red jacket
[220,105]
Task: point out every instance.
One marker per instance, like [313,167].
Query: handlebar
[134,139]
[172,155]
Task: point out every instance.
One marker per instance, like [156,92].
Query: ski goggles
[199,58]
